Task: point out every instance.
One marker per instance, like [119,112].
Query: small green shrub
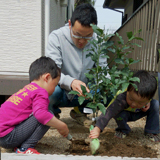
[98,83]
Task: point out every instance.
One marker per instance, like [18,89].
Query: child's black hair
[41,66]
[85,14]
[147,86]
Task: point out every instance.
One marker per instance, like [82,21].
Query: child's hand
[59,125]
[63,130]
[94,133]
[147,106]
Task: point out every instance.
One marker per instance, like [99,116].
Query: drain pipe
[47,21]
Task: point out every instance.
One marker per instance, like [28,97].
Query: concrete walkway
[13,156]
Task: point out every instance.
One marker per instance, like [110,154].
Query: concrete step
[13,156]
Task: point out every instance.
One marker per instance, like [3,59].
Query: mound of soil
[134,145]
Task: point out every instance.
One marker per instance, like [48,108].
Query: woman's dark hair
[85,14]
[147,85]
[41,66]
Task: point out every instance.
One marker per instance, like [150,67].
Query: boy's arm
[59,125]
[116,107]
[40,104]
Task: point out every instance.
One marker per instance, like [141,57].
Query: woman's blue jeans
[152,122]
[59,99]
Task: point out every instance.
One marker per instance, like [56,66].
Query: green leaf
[83,89]
[81,99]
[135,79]
[125,47]
[100,40]
[127,61]
[96,29]
[135,86]
[121,41]
[104,99]
[101,108]
[124,86]
[107,44]
[108,36]
[136,44]
[119,61]
[100,31]
[111,50]
[139,30]
[89,95]
[129,35]
[89,76]
[74,92]
[138,38]
[94,57]
[94,43]
[135,61]
[116,80]
[91,105]
[89,55]
[105,56]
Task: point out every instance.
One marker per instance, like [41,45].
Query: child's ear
[46,77]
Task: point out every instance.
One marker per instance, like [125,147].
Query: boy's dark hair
[41,66]
[147,86]
[85,14]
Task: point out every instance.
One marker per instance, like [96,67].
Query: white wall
[20,34]
[23,37]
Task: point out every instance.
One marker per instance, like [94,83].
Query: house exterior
[145,15]
[129,6]
[25,26]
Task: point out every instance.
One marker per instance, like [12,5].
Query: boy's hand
[63,130]
[94,133]
[59,125]
[147,106]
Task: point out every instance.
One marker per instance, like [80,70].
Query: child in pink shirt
[24,117]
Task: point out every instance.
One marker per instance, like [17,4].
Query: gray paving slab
[13,156]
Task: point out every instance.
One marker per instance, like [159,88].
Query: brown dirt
[134,145]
